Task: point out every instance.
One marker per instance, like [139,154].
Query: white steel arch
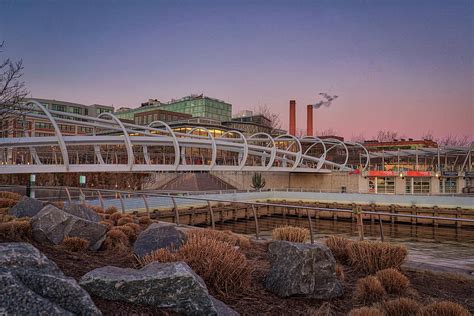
[128,143]
[300,149]
[246,147]
[273,149]
[175,141]
[213,144]
[318,141]
[57,132]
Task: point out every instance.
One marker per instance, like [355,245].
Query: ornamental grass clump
[10,195]
[128,231]
[144,220]
[366,311]
[393,281]
[16,230]
[369,290]
[291,233]
[124,220]
[221,235]
[7,203]
[370,257]
[75,244]
[111,209]
[339,247]
[443,308]
[223,267]
[400,307]
[116,240]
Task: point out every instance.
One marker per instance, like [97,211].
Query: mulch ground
[256,300]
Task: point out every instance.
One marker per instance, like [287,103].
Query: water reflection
[442,246]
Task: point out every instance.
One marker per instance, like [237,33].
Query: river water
[442,248]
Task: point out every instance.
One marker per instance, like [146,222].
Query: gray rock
[31,284]
[82,211]
[166,285]
[156,236]
[52,225]
[26,206]
[302,269]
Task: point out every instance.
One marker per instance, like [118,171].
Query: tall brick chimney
[292,117]
[309,120]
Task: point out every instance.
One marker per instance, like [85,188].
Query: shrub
[400,307]
[111,209]
[160,255]
[221,265]
[443,308]
[115,216]
[107,223]
[291,233]
[339,247]
[124,220]
[4,202]
[371,257]
[116,240]
[366,311]
[144,220]
[75,244]
[128,231]
[16,230]
[136,228]
[10,195]
[369,290]
[393,280]
[221,235]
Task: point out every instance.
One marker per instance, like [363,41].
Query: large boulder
[31,284]
[52,225]
[82,211]
[302,269]
[166,285]
[156,236]
[26,206]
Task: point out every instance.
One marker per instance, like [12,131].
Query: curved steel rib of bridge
[284,153]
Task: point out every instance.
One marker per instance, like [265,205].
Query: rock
[82,211]
[167,285]
[26,206]
[302,269]
[31,284]
[156,236]
[52,225]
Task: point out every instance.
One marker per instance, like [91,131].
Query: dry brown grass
[16,230]
[341,276]
[370,257]
[124,220]
[339,247]
[134,226]
[128,231]
[5,218]
[223,267]
[443,308]
[144,220]
[107,223]
[5,202]
[326,309]
[291,233]
[221,235]
[116,240]
[115,216]
[97,209]
[400,307]
[10,195]
[369,290]
[111,210]
[75,244]
[393,280]
[366,311]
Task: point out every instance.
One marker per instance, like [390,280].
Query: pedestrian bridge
[106,144]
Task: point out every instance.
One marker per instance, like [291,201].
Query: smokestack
[292,117]
[309,120]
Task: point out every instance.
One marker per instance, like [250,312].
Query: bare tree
[12,87]
[455,141]
[275,122]
[327,132]
[386,135]
[360,138]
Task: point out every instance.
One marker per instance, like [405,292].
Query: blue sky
[399,65]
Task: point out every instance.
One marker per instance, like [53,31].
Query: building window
[448,185]
[385,185]
[418,185]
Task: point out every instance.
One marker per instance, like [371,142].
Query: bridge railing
[151,202]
